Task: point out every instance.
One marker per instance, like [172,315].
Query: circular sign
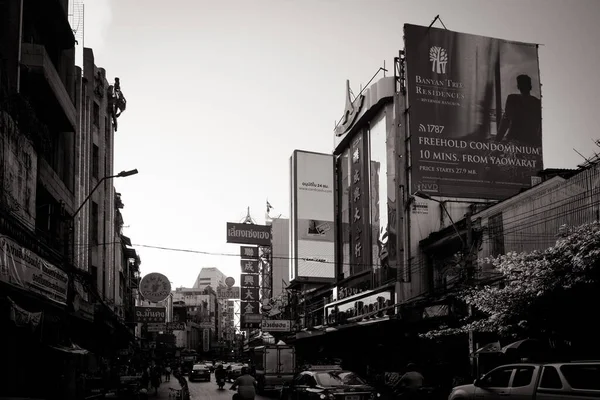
[230,281]
[155,287]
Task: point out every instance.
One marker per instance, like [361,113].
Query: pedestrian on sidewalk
[168,373]
[155,380]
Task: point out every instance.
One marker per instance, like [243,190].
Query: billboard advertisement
[259,235]
[313,211]
[475,113]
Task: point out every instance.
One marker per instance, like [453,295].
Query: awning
[73,349]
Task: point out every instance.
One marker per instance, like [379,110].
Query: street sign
[224,293]
[229,281]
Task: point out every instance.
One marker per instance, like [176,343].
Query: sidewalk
[163,390]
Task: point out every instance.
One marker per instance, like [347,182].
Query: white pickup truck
[535,381]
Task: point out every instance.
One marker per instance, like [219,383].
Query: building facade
[200,309]
[42,116]
[281,254]
[209,276]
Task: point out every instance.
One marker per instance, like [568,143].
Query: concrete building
[94,224]
[210,276]
[280,268]
[199,307]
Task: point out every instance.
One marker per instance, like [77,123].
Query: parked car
[540,381]
[328,383]
[199,372]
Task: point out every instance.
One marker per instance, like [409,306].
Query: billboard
[475,113]
[312,226]
[248,234]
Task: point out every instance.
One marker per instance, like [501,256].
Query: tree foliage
[550,293]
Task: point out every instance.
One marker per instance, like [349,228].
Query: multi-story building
[199,307]
[46,118]
[209,276]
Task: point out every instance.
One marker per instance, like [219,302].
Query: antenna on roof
[248,219]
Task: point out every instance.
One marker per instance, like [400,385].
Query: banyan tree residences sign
[248,234]
[369,305]
[23,268]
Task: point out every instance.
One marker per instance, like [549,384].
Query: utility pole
[469,273]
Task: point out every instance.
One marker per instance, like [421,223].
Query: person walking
[245,385]
[168,373]
[155,379]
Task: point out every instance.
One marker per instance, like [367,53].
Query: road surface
[210,391]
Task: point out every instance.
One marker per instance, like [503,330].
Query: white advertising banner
[23,268]
[276,325]
[313,215]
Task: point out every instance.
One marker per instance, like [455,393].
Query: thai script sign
[155,327]
[249,234]
[207,325]
[368,306]
[150,314]
[22,268]
[276,325]
[475,113]
[249,252]
[155,287]
[224,293]
[176,326]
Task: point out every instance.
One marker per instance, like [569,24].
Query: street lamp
[122,174]
[443,205]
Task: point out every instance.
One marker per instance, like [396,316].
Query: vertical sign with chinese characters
[359,196]
[250,283]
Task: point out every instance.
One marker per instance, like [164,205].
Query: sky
[220,93]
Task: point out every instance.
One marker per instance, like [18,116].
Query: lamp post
[122,174]
[68,254]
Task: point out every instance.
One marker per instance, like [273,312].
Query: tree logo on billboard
[439,58]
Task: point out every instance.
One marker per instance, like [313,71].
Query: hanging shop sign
[155,287]
[23,268]
[249,266]
[205,340]
[371,305]
[150,314]
[176,326]
[224,293]
[250,280]
[248,234]
[276,325]
[249,252]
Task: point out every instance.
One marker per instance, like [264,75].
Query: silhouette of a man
[522,120]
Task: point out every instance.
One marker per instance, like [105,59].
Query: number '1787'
[435,128]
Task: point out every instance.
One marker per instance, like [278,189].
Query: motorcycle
[221,383]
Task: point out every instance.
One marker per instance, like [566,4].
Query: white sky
[219,94]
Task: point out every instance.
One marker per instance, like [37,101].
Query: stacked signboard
[249,296]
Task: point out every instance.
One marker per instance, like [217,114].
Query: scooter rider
[246,386]
[220,375]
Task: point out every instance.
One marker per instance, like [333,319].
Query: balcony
[40,68]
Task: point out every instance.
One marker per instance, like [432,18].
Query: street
[210,391]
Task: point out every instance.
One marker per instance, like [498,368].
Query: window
[582,376]
[339,378]
[499,378]
[96,115]
[94,223]
[496,234]
[551,379]
[95,161]
[523,377]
